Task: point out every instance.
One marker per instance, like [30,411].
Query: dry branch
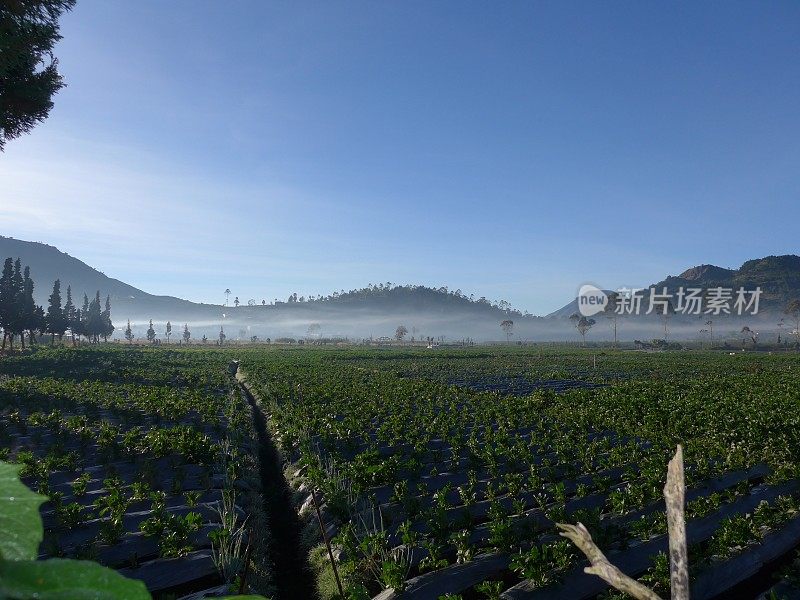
[675,499]
[601,567]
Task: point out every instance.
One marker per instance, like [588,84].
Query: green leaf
[21,528]
[66,579]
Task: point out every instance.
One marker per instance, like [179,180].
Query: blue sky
[514,150]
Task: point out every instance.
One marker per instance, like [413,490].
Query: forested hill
[370,306]
[48,263]
[777,276]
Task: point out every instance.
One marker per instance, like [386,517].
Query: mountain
[378,310]
[375,310]
[48,263]
[777,276]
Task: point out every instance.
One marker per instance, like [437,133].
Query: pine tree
[94,320]
[151,333]
[55,319]
[69,314]
[18,285]
[129,333]
[105,318]
[29,315]
[82,318]
[222,336]
[186,333]
[7,301]
[168,331]
[29,76]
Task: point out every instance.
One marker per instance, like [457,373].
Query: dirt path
[292,573]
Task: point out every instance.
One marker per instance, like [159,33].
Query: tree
[205,339]
[69,313]
[18,290]
[7,297]
[236,302]
[582,324]
[168,331]
[400,333]
[105,319]
[222,336]
[753,335]
[93,321]
[29,315]
[129,333]
[151,333]
[29,76]
[56,319]
[508,328]
[313,330]
[227,295]
[186,333]
[793,311]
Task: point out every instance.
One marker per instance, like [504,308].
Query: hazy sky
[514,150]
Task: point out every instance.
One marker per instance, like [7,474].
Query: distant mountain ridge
[381,304]
[375,310]
[48,263]
[777,276]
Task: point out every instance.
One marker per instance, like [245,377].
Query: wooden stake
[674,496]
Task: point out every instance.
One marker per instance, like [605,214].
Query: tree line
[20,316]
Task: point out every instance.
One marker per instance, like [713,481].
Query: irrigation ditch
[293,576]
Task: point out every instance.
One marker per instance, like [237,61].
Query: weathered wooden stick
[601,567]
[674,497]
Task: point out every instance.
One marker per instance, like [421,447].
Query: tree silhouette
[508,328]
[582,324]
[55,319]
[107,325]
[69,313]
[168,331]
[793,311]
[129,333]
[186,333]
[400,333]
[151,333]
[227,295]
[29,76]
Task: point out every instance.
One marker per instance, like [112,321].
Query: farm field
[448,491]
[438,473]
[147,458]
